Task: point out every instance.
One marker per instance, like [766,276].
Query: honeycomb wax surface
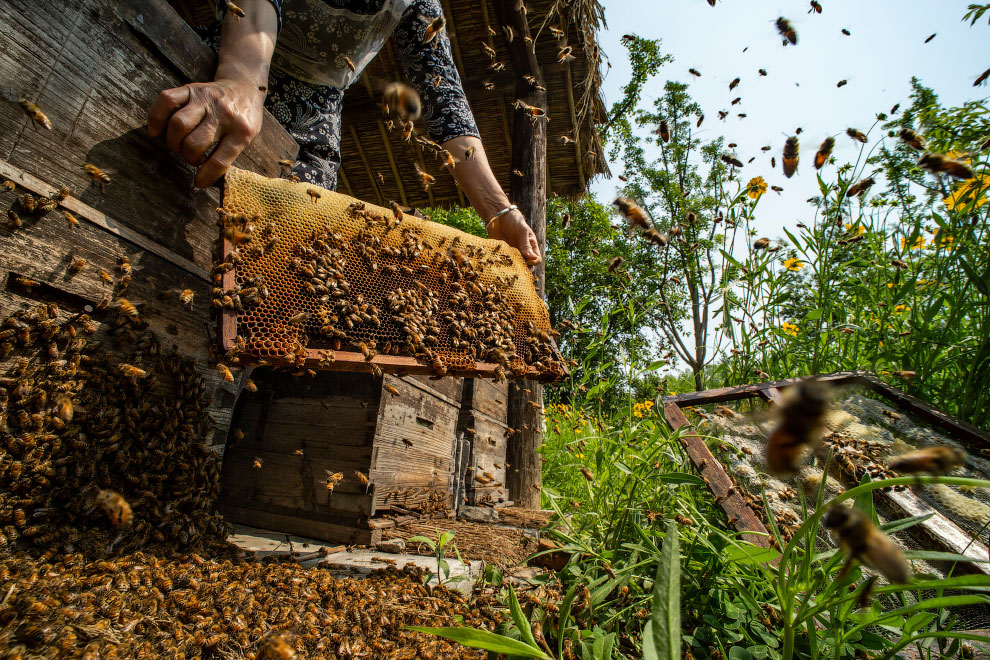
[315,271]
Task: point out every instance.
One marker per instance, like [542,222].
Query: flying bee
[313,193]
[115,507]
[762,72]
[403,100]
[800,426]
[534,83]
[488,50]
[912,139]
[286,163]
[97,175]
[663,130]
[71,219]
[701,118]
[824,151]
[425,178]
[225,372]
[695,73]
[731,160]
[257,463]
[433,30]
[860,187]
[437,79]
[935,460]
[350,64]
[235,10]
[587,474]
[105,276]
[761,244]
[396,210]
[488,85]
[786,31]
[982,78]
[614,264]
[63,408]
[736,100]
[363,479]
[469,153]
[734,84]
[76,265]
[34,112]
[940,164]
[816,7]
[859,136]
[930,37]
[791,150]
[842,83]
[632,212]
[127,308]
[531,110]
[565,220]
[864,542]
[722,114]
[565,54]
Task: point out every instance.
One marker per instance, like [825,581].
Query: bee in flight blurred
[799,429]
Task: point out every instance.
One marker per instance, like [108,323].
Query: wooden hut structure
[95,66]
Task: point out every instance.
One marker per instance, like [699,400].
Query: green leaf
[904,523]
[519,618]
[662,637]
[656,364]
[446,537]
[681,478]
[747,553]
[482,639]
[814,315]
[423,539]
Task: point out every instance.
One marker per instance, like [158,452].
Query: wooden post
[529,192]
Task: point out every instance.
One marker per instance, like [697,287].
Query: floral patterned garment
[306,92]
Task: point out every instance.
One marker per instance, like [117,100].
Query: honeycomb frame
[398,293]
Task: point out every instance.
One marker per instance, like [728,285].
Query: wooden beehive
[483,434]
[299,431]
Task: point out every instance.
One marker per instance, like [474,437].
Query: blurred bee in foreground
[800,427]
[34,112]
[632,212]
[859,136]
[860,187]
[824,151]
[864,542]
[235,10]
[791,150]
[787,31]
[913,140]
[115,507]
[940,164]
[935,460]
[98,176]
[403,100]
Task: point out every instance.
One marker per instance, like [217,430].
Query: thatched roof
[575,106]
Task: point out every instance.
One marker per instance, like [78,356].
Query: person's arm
[431,70]
[227,112]
[475,176]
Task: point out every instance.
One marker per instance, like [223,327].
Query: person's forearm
[246,45]
[475,176]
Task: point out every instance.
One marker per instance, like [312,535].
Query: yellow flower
[636,413]
[901,308]
[673,394]
[756,187]
[794,265]
[789,328]
[917,245]
[967,191]
[648,404]
[890,285]
[859,229]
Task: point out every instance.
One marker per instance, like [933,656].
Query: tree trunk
[529,192]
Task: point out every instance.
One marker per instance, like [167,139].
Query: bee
[722,114]
[425,178]
[9,185]
[734,84]
[614,264]
[731,160]
[824,151]
[469,153]
[34,112]
[701,118]
[97,175]
[115,507]
[235,10]
[930,37]
[762,72]
[800,426]
[363,479]
[761,244]
[565,220]
[556,32]
[396,210]
[982,78]
[777,189]
[786,31]
[403,100]
[939,164]
[635,215]
[132,372]
[488,85]
[534,83]
[313,193]
[433,30]
[250,386]
[791,150]
[736,100]
[663,130]
[864,542]
[531,110]
[390,389]
[15,220]
[905,374]
[695,73]
[71,219]
[930,460]
[104,275]
[856,135]
[186,297]
[842,83]
[816,7]
[77,265]
[296,319]
[437,79]
[63,408]
[225,373]
[127,308]
[27,202]
[565,54]
[257,463]
[912,139]
[860,187]
[587,474]
[684,520]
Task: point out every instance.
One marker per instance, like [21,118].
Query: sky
[885,49]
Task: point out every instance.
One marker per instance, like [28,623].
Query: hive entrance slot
[424,422]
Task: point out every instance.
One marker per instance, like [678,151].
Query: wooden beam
[367,167]
[343,177]
[749,391]
[452,35]
[417,150]
[529,192]
[578,150]
[741,516]
[391,161]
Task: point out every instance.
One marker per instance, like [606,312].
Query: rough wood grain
[291,523]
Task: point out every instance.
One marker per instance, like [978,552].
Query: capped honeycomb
[308,273]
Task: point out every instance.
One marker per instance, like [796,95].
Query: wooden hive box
[483,434]
[298,431]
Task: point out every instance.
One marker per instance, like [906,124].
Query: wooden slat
[292,524]
[741,516]
[749,391]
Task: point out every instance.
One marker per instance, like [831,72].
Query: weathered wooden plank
[740,516]
[487,397]
[722,394]
[292,523]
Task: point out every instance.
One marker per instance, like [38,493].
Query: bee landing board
[314,278]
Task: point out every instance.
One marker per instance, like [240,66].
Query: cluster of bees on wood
[439,309]
[422,501]
[187,606]
[800,431]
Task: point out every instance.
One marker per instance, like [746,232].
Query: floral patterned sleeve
[445,106]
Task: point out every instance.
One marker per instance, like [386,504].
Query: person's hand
[197,117]
[512,229]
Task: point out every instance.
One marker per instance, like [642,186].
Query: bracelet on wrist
[498,215]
